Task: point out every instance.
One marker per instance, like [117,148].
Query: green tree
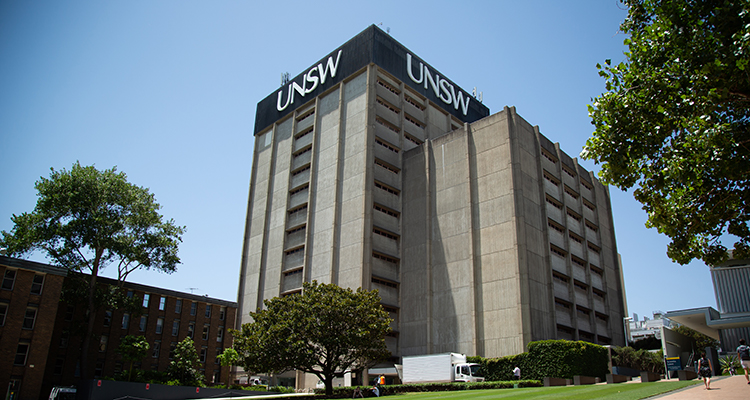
[133,348]
[229,357]
[183,364]
[675,122]
[86,220]
[323,331]
[701,340]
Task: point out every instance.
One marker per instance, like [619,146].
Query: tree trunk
[86,344]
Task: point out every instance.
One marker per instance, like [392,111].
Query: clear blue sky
[166,91]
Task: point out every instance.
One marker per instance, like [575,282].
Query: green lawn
[623,391]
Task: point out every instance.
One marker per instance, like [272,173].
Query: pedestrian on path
[705,368]
[743,352]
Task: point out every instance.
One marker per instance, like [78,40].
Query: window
[159,325]
[64,339]
[9,279]
[29,318]
[59,364]
[14,387]
[155,349]
[220,334]
[217,374]
[222,313]
[175,327]
[103,343]
[144,320]
[191,330]
[3,313]
[162,303]
[125,320]
[145,300]
[107,318]
[99,369]
[172,347]
[22,352]
[69,312]
[130,294]
[37,284]
[193,308]
[204,350]
[219,351]
[205,331]
[178,306]
[208,311]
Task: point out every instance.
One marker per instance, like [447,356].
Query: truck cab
[467,373]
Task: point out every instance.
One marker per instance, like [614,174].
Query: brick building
[28,304]
[53,342]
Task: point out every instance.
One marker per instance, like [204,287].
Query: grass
[629,391]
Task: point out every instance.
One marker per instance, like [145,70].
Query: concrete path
[722,388]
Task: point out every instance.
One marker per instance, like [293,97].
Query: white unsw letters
[443,89]
[316,75]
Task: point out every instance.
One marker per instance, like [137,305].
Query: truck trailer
[445,367]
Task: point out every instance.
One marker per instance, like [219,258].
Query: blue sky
[166,91]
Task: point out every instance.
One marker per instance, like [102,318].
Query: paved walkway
[722,388]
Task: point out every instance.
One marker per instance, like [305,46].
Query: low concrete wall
[556,381]
[614,378]
[649,377]
[583,380]
[685,375]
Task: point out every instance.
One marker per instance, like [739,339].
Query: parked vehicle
[63,393]
[445,367]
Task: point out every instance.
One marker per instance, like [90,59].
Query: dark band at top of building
[371,45]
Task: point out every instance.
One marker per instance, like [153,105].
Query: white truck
[445,367]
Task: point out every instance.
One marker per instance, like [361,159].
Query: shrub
[641,360]
[548,358]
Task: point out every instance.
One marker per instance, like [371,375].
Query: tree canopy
[183,365]
[325,330]
[86,220]
[675,123]
[133,348]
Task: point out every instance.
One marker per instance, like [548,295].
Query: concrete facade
[480,235]
[508,241]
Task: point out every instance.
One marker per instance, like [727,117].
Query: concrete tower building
[372,169]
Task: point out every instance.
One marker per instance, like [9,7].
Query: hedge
[548,358]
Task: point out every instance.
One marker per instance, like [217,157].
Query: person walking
[517,373]
[705,368]
[743,352]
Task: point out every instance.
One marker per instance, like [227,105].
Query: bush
[641,360]
[548,358]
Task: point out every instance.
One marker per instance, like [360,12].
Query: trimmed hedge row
[347,392]
[548,358]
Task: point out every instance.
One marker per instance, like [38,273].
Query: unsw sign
[371,46]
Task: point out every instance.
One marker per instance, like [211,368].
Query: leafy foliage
[85,220]
[640,359]
[133,348]
[728,362]
[325,330]
[548,358]
[702,341]
[229,357]
[565,359]
[675,122]
[182,368]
